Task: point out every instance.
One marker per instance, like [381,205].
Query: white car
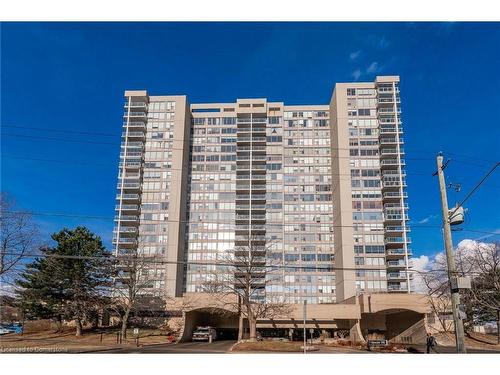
[204,334]
[4,331]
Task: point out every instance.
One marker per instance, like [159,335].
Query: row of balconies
[395,217]
[252,157]
[131,154]
[395,195]
[244,120]
[247,227]
[397,252]
[127,207]
[125,230]
[132,197]
[135,124]
[126,218]
[389,110]
[391,151]
[253,139]
[254,237]
[253,148]
[253,206]
[396,205]
[398,264]
[252,217]
[388,184]
[129,185]
[256,197]
[397,228]
[392,162]
[384,129]
[134,134]
[142,105]
[397,275]
[397,288]
[397,240]
[125,241]
[391,140]
[251,177]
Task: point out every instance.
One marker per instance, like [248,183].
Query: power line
[227,264]
[360,226]
[475,188]
[61,130]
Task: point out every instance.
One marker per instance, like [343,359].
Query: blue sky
[71,77]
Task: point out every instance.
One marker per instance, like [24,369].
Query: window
[351,92]
[275,138]
[274,119]
[363,112]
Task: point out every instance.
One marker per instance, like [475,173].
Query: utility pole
[450,259]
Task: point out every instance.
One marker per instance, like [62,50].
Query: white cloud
[354,55]
[420,264]
[356,74]
[427,219]
[425,263]
[373,67]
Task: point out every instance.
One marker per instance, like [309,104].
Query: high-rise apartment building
[317,189]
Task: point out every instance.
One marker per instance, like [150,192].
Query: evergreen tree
[69,281]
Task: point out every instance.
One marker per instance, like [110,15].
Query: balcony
[391,151]
[135,124]
[131,164]
[391,184]
[395,217]
[126,218]
[391,140]
[397,240]
[391,162]
[397,288]
[397,229]
[398,206]
[125,230]
[136,105]
[395,252]
[125,241]
[395,195]
[128,197]
[395,264]
[135,115]
[129,185]
[127,207]
[385,129]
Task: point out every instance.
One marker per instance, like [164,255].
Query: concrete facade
[318,190]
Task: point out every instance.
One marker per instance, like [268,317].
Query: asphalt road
[216,347]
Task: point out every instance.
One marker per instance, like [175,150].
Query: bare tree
[18,236]
[485,291]
[239,278]
[133,278]
[480,262]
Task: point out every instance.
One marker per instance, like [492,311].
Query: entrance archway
[224,321]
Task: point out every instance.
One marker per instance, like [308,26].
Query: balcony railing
[127,207]
[127,218]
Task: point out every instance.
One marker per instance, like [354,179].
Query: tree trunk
[125,323]
[79,327]
[253,329]
[252,323]
[240,328]
[498,326]
[59,324]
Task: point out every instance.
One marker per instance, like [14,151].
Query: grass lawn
[67,342]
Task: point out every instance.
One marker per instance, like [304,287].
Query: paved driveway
[184,347]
